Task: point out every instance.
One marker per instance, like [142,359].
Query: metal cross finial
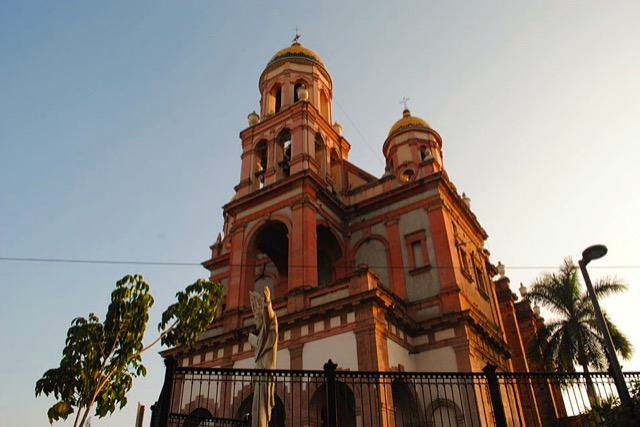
[404,102]
[295,39]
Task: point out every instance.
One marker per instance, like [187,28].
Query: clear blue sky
[119,128]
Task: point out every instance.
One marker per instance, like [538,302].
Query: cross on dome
[404,102]
[296,38]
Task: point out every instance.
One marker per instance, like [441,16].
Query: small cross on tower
[295,39]
[404,102]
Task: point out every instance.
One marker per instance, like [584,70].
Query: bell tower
[293,131]
[281,227]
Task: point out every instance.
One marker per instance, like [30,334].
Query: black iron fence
[223,397]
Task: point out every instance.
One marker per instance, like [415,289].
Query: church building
[377,273]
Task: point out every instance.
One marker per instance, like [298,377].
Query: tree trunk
[75,423]
[591,389]
[84,417]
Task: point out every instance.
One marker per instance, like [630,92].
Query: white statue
[266,345]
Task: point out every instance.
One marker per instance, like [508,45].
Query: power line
[377,156]
[193,264]
[99,261]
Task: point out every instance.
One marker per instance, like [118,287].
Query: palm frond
[620,341]
[609,286]
[573,338]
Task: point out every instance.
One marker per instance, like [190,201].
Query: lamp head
[593,252]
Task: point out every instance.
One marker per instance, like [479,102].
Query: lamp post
[588,255]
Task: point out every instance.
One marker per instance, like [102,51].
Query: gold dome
[408,121]
[296,51]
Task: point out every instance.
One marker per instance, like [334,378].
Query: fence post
[330,383]
[494,393]
[164,401]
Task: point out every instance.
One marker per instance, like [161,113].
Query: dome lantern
[412,144]
[408,121]
[294,74]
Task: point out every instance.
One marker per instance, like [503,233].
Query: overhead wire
[98,261]
[376,155]
[193,264]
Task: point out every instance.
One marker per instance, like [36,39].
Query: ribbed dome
[296,51]
[408,121]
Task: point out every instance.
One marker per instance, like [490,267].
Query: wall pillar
[519,362]
[373,355]
[371,339]
[299,410]
[301,139]
[549,397]
[237,277]
[303,247]
[444,249]
[396,265]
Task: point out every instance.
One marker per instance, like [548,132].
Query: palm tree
[573,337]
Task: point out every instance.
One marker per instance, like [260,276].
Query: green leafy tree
[573,337]
[101,359]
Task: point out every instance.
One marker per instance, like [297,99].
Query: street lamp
[588,255]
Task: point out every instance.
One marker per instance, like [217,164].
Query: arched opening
[325,268]
[199,417]
[277,413]
[345,406]
[283,154]
[266,274]
[406,410]
[324,106]
[275,99]
[320,155]
[336,171]
[373,253]
[268,260]
[329,252]
[424,152]
[260,163]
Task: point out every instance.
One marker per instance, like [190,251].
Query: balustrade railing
[209,397]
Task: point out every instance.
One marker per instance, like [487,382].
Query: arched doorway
[444,412]
[407,412]
[267,260]
[277,414]
[345,406]
[199,417]
[328,254]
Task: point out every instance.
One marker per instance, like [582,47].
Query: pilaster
[442,246]
[303,269]
[396,265]
[236,263]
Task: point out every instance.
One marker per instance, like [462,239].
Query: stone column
[445,250]
[396,266]
[376,405]
[299,390]
[519,362]
[235,286]
[303,247]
